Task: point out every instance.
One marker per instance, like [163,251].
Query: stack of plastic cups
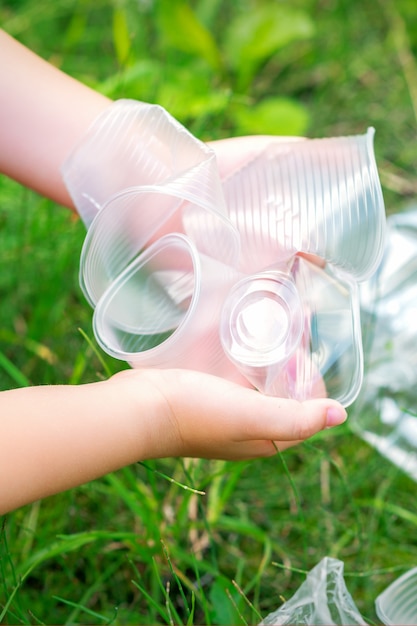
[320,197]
[186,270]
[160,253]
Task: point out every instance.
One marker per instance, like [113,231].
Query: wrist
[149,411]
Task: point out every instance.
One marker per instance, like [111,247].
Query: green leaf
[222,596]
[65,544]
[182,30]
[272,116]
[254,36]
[82,608]
[121,36]
[138,81]
[188,93]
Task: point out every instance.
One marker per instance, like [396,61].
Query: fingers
[246,416]
[288,420]
[209,417]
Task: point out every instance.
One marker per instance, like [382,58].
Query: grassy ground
[143,545]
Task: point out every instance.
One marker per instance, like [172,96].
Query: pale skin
[63,436]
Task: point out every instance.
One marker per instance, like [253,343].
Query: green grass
[142,545]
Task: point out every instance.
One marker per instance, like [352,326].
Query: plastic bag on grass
[322,599]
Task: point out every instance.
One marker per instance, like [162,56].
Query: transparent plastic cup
[134,144]
[133,220]
[164,309]
[296,334]
[398,603]
[139,174]
[159,217]
[318,196]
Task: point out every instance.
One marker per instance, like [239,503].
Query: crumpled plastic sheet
[322,599]
[384,414]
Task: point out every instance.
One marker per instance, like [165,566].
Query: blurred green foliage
[142,546]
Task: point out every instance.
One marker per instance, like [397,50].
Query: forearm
[33,147]
[55,438]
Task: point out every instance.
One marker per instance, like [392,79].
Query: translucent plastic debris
[385,412]
[398,603]
[187,270]
[323,598]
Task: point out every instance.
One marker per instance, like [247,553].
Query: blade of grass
[80,606]
[6,559]
[246,599]
[395,509]
[35,620]
[232,600]
[86,610]
[176,578]
[192,612]
[158,608]
[13,593]
[15,374]
[96,352]
[139,499]
[297,498]
[80,365]
[172,480]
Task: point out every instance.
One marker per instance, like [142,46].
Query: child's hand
[198,415]
[62,436]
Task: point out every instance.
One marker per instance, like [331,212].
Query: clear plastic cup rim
[254,343]
[395,596]
[173,239]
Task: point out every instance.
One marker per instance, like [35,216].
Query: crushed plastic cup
[318,196]
[164,304]
[137,145]
[133,220]
[139,174]
[295,333]
[323,598]
[384,414]
[397,604]
[152,198]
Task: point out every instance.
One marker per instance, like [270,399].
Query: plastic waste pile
[185,269]
[272,276]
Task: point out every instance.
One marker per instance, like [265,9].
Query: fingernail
[335,416]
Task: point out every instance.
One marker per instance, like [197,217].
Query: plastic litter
[323,598]
[385,412]
[187,270]
[398,603]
